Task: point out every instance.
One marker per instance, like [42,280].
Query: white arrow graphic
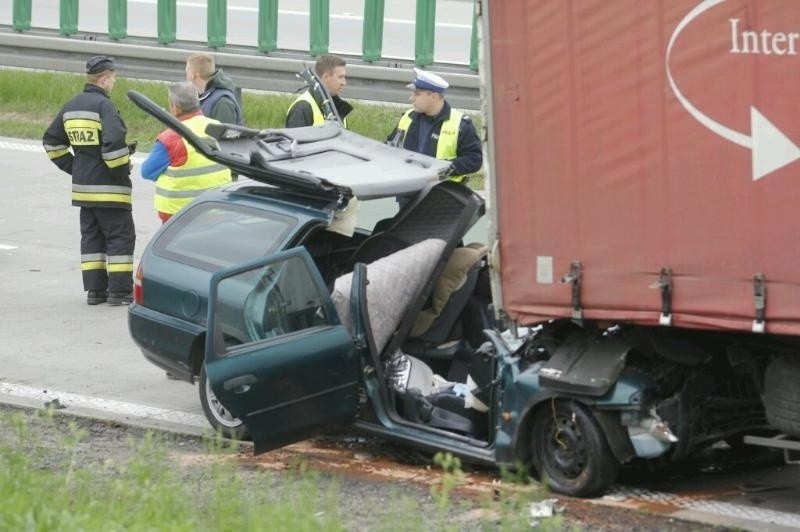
[771,149]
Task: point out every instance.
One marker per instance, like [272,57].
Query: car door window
[268,302]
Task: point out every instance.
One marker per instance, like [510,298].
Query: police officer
[434,128]
[180,172]
[306,109]
[87,140]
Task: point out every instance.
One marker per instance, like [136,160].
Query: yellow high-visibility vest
[179,185]
[447,145]
[316,112]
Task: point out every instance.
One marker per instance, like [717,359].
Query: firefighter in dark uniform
[87,140]
[434,128]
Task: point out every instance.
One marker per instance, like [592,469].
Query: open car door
[277,356]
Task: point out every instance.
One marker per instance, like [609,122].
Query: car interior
[427,303]
[424,307]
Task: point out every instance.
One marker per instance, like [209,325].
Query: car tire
[218,416]
[570,451]
[782,394]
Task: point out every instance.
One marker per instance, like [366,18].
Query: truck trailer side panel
[639,137]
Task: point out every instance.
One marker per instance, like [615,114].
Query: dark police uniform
[99,162]
[448,136]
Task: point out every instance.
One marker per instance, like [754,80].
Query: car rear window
[216,235]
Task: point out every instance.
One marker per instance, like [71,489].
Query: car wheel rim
[567,447]
[220,413]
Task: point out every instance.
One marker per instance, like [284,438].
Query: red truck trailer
[644,183]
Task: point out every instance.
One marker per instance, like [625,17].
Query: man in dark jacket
[87,140]
[433,128]
[306,109]
[217,91]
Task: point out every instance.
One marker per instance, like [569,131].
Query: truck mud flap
[585,364]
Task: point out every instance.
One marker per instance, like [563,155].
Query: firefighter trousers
[107,241]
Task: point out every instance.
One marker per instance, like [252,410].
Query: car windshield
[216,235]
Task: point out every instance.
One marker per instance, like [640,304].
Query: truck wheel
[782,394]
[570,451]
[218,416]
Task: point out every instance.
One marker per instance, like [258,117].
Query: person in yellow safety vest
[306,110]
[180,172]
[87,139]
[434,128]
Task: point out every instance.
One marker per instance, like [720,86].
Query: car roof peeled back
[302,206]
[325,161]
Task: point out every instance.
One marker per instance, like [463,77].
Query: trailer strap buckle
[574,278]
[664,284]
[760,303]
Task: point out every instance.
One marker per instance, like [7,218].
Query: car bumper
[168,342]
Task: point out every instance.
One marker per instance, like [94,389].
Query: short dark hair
[326,63]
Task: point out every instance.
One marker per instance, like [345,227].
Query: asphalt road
[52,340]
[452,36]
[54,346]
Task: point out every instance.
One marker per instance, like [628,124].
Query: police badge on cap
[98,64]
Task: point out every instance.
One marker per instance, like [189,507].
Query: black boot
[95,297]
[120,298]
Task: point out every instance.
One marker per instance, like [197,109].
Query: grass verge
[57,482]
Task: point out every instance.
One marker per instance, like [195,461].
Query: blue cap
[427,81]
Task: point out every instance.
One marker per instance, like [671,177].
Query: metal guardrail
[147,59]
[267,21]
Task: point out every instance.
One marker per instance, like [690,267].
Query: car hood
[326,161]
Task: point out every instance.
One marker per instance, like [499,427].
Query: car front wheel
[570,451]
[223,421]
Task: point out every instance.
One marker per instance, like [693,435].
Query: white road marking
[37,147]
[19,146]
[104,405]
[7,247]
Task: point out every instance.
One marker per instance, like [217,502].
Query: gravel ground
[382,480]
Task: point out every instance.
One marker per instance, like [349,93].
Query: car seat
[437,326]
[427,398]
[395,282]
[445,210]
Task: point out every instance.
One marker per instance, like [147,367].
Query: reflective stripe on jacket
[87,140]
[447,143]
[315,110]
[319,118]
[181,183]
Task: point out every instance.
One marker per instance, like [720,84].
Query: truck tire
[218,416]
[570,451]
[782,394]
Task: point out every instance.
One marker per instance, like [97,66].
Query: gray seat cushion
[394,283]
